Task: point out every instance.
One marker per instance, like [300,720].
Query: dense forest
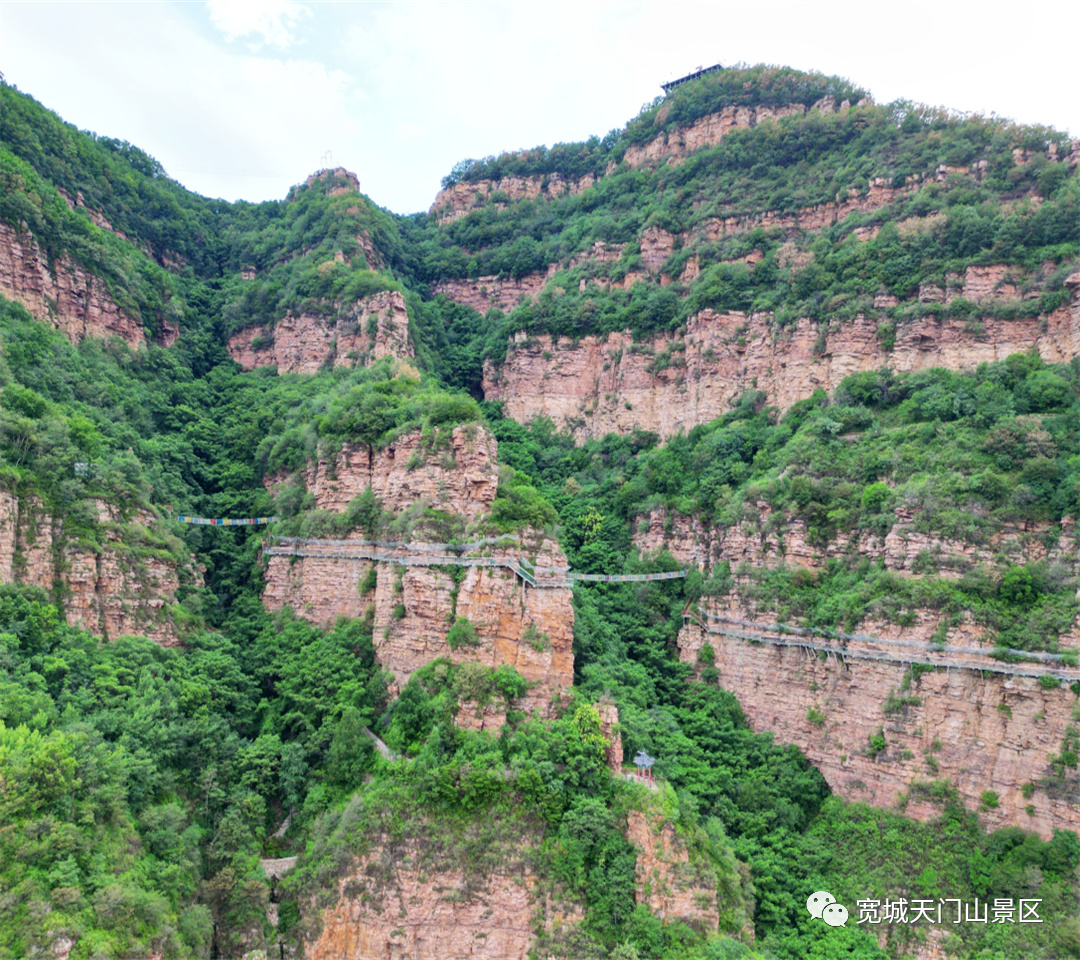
[141,784]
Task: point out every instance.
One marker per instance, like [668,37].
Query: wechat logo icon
[823,906]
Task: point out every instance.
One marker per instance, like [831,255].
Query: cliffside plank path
[450,554]
[226,521]
[861,647]
[853,646]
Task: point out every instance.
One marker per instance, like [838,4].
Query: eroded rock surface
[110,591]
[372,328]
[666,385]
[62,294]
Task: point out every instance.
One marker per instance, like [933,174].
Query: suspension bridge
[848,646]
[452,554]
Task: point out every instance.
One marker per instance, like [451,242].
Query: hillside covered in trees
[822,354]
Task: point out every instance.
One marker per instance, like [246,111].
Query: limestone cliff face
[453,202]
[111,591]
[976,731]
[594,387]
[414,606]
[372,328]
[62,294]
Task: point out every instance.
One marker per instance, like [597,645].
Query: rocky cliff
[62,293]
[368,330]
[711,129]
[596,386]
[442,891]
[416,897]
[992,738]
[453,202]
[118,585]
[765,539]
[414,605]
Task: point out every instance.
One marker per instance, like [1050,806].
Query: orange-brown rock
[111,591]
[454,470]
[594,387]
[62,293]
[707,132]
[530,629]
[454,202]
[483,293]
[409,898]
[977,731]
[368,330]
[526,628]
[668,882]
[333,178]
[609,728]
[903,549]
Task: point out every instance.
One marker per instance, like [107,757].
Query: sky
[241,99]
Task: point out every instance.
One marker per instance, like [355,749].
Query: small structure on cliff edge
[699,72]
[644,763]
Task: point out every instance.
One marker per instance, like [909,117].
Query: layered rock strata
[453,202]
[414,898]
[764,540]
[593,387]
[991,737]
[711,129]
[110,590]
[61,294]
[415,605]
[370,329]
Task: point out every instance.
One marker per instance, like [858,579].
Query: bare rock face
[530,629]
[411,897]
[63,295]
[976,731]
[594,387]
[483,293]
[767,541]
[334,187]
[667,881]
[461,478]
[708,131]
[609,728]
[111,591]
[453,202]
[373,328]
[404,899]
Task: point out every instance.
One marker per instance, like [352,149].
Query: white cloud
[272,20]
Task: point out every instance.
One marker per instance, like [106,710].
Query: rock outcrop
[416,896]
[110,589]
[990,737]
[368,330]
[453,202]
[763,539]
[414,606]
[62,293]
[710,130]
[668,882]
[666,385]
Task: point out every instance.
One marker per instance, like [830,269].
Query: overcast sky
[242,99]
